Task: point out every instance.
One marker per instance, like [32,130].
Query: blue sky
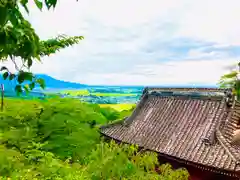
[142,42]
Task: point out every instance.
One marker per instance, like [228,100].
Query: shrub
[56,139]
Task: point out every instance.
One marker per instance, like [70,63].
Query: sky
[141,42]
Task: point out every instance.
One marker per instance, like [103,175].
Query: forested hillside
[60,139]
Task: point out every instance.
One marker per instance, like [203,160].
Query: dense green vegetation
[119,107]
[60,139]
[231,80]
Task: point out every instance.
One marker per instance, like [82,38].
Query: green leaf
[26,88]
[32,85]
[12,76]
[26,8]
[38,58]
[39,4]
[3,41]
[230,75]
[18,89]
[29,63]
[13,18]
[24,4]
[50,3]
[41,82]
[3,68]
[22,76]
[5,75]
[3,16]
[28,76]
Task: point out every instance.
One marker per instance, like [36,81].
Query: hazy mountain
[59,84]
[51,83]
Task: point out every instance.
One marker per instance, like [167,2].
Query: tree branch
[14,62]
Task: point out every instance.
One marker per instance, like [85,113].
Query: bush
[58,139]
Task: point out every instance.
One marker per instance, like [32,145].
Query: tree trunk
[2,96]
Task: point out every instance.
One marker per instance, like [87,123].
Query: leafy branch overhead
[230,80]
[47,47]
[20,44]
[51,46]
[40,4]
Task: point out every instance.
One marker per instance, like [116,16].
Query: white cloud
[162,73]
[212,20]
[182,72]
[137,41]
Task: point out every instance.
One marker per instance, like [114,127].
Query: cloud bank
[139,42]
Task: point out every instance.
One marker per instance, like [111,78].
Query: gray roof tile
[196,130]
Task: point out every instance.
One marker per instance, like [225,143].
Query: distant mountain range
[55,84]
[59,84]
[51,83]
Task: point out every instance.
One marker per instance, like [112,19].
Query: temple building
[197,127]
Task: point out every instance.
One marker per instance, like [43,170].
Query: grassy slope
[58,139]
[119,107]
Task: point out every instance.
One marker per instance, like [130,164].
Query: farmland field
[87,92]
[91,94]
[105,95]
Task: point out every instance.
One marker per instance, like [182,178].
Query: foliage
[49,4]
[119,107]
[230,80]
[58,139]
[18,40]
[45,48]
[53,45]
[112,161]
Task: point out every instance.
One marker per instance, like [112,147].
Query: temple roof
[194,125]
